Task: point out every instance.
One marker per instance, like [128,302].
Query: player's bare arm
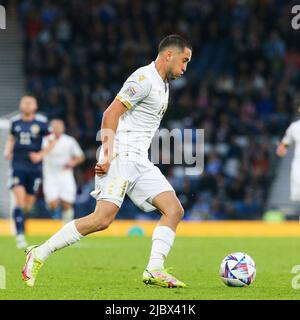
[37,157]
[8,151]
[109,126]
[74,162]
[281,149]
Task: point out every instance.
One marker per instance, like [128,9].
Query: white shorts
[60,187]
[295,187]
[141,181]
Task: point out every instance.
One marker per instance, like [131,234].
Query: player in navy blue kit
[23,148]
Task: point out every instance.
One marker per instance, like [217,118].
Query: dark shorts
[30,180]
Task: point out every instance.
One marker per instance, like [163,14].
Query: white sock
[67,215]
[20,237]
[162,241]
[66,236]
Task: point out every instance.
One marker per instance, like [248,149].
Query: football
[237,270]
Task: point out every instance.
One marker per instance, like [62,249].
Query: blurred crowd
[240,87]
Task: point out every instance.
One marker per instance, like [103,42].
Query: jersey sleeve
[46,129]
[45,142]
[44,124]
[288,138]
[76,150]
[12,128]
[135,89]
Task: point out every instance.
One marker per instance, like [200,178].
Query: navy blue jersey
[28,138]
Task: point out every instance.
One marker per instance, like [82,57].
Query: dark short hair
[174,40]
[29,95]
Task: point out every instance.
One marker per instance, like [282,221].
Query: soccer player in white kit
[58,175]
[128,126]
[292,136]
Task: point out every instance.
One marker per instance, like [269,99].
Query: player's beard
[170,76]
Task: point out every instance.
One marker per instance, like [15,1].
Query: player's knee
[29,206]
[66,206]
[27,209]
[175,213]
[21,206]
[103,225]
[52,206]
[100,223]
[21,203]
[180,212]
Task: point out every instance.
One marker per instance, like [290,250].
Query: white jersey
[146,96]
[292,136]
[63,151]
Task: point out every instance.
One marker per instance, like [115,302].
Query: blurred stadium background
[241,87]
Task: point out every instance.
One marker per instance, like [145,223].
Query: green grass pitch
[111,268]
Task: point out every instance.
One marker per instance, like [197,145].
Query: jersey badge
[130,92]
[141,78]
[35,129]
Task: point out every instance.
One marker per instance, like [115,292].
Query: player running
[128,126]
[58,177]
[292,135]
[25,138]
